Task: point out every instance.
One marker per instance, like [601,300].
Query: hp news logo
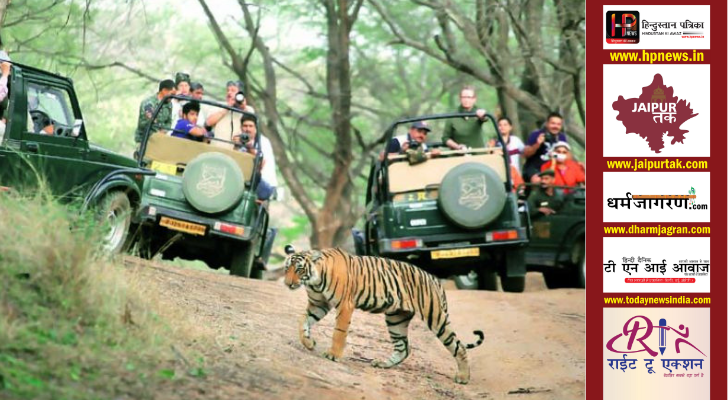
[623,27]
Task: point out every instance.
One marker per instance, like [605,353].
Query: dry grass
[73,323]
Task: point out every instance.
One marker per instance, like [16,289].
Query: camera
[239,98]
[414,145]
[244,138]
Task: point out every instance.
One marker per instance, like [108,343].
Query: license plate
[455,253]
[169,169]
[183,226]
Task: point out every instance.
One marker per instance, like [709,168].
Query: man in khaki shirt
[225,123]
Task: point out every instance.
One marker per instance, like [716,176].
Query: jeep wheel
[513,284]
[115,210]
[487,280]
[466,282]
[241,262]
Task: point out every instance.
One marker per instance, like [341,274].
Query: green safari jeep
[449,215]
[201,204]
[557,245]
[45,139]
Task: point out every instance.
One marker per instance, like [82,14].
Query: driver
[42,123]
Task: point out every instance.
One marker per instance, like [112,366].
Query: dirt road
[534,343]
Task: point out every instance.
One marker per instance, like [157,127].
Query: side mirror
[77,124]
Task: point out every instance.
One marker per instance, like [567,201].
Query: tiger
[336,279]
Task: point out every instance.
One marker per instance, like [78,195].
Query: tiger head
[301,268]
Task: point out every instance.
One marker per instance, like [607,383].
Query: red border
[716,57]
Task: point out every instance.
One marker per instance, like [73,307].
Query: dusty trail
[534,341]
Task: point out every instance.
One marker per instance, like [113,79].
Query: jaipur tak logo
[638,331]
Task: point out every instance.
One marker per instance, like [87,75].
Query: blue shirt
[182,130]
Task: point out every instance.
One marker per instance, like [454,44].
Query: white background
[689,82]
[617,184]
[671,249]
[637,383]
[664,13]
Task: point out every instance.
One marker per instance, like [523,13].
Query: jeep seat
[404,177]
[174,150]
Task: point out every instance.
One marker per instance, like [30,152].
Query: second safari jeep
[449,215]
[201,204]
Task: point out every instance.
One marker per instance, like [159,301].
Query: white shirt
[515,149]
[269,168]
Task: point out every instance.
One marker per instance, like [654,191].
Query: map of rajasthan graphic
[655,114]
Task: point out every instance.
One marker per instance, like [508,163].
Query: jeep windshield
[168,149]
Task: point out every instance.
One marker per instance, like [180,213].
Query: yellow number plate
[169,169]
[455,253]
[182,226]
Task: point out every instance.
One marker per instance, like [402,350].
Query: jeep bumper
[166,218]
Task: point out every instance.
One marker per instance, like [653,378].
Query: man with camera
[567,172]
[225,123]
[539,145]
[246,141]
[413,143]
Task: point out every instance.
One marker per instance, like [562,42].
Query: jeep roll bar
[148,129]
[389,133]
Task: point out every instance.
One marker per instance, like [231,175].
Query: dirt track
[534,341]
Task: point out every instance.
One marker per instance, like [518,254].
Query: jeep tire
[115,210]
[213,183]
[472,195]
[241,259]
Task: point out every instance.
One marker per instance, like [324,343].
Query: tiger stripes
[337,280]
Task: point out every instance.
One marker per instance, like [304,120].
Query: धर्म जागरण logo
[642,336]
[655,114]
[647,201]
[623,27]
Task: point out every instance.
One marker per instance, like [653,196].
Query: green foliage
[71,324]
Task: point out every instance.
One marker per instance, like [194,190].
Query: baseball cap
[547,172]
[421,125]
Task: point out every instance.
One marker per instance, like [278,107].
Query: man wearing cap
[539,145]
[417,134]
[465,132]
[567,171]
[545,200]
[147,107]
[182,84]
[223,122]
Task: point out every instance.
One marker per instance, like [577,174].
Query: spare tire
[213,183]
[472,195]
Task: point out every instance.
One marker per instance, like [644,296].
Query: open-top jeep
[45,140]
[202,203]
[557,246]
[449,215]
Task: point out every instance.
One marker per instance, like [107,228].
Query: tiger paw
[308,343]
[382,364]
[462,379]
[330,356]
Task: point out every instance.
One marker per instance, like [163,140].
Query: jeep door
[50,150]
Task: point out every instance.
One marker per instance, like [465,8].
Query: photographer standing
[223,123]
[539,145]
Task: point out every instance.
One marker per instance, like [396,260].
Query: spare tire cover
[213,183]
[472,195]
